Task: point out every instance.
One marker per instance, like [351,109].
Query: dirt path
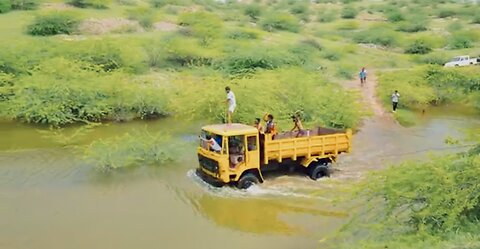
[369,93]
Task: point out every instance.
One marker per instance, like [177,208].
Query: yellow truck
[238,154]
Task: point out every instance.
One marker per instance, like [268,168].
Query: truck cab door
[253,151]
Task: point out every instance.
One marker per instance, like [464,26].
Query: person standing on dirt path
[363,76]
[395,97]
[232,104]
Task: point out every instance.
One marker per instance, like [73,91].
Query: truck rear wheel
[247,180]
[319,170]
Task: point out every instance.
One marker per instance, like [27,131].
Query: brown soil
[165,26]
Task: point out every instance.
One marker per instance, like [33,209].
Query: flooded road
[51,198]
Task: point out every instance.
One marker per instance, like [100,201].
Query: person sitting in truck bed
[212,144]
[271,126]
[258,125]
[297,125]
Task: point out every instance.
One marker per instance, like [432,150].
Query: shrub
[476,18]
[247,61]
[203,25]
[412,26]
[444,13]
[53,23]
[326,16]
[460,41]
[5,6]
[348,25]
[376,35]
[128,150]
[24,4]
[290,89]
[280,21]
[395,16]
[418,47]
[183,52]
[144,16]
[349,12]
[311,43]
[243,34]
[331,55]
[344,73]
[97,4]
[253,11]
[299,8]
[60,92]
[434,59]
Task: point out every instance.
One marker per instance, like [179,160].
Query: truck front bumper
[209,179]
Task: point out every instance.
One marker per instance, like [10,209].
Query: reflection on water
[51,198]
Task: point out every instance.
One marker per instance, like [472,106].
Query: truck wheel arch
[251,175]
[319,169]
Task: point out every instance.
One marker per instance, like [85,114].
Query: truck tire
[318,170]
[247,180]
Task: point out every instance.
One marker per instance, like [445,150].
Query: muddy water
[50,198]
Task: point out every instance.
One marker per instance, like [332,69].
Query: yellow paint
[304,150]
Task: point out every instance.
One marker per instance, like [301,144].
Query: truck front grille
[208,164]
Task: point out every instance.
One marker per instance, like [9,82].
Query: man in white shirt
[231,104]
[395,97]
[212,143]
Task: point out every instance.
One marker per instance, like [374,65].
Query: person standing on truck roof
[271,126]
[395,97]
[258,125]
[297,124]
[363,76]
[232,104]
[212,144]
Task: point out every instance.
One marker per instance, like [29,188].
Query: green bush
[331,55]
[183,52]
[349,12]
[135,149]
[290,90]
[5,6]
[253,11]
[53,23]
[247,61]
[434,59]
[144,16]
[444,13]
[395,16]
[377,35]
[24,4]
[280,21]
[476,19]
[299,8]
[60,92]
[460,41]
[326,16]
[412,26]
[203,25]
[427,204]
[243,34]
[418,47]
[97,4]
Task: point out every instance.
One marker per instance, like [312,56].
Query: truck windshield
[211,141]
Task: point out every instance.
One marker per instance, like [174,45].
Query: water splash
[262,190]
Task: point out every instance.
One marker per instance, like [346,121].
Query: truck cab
[238,154]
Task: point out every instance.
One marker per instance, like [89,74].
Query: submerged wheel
[247,180]
[319,170]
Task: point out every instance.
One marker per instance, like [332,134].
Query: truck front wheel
[247,180]
[319,170]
